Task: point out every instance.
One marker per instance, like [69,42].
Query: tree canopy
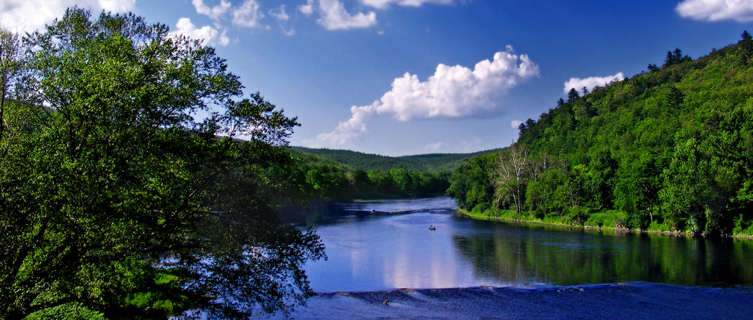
[124,186]
[422,163]
[671,149]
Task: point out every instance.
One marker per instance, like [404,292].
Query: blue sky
[401,76]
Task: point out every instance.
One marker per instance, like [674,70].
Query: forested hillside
[325,179]
[669,149]
[434,163]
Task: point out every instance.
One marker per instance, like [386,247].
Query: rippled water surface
[370,251]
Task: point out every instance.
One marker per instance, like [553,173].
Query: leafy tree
[471,184]
[746,46]
[116,200]
[511,176]
[675,57]
[10,67]
[572,95]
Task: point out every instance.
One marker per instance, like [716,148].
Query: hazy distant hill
[435,162]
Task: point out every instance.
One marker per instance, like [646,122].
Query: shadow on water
[535,255]
[327,213]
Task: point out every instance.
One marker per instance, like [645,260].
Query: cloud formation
[381,4]
[716,10]
[591,82]
[280,13]
[308,8]
[208,35]
[212,12]
[451,92]
[334,16]
[248,14]
[515,124]
[31,15]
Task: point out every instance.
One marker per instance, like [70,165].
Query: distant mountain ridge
[433,162]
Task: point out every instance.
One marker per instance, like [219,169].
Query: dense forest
[433,163]
[670,149]
[323,179]
[327,174]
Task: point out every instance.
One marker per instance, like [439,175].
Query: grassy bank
[607,222]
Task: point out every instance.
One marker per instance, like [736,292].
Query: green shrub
[68,311]
[577,215]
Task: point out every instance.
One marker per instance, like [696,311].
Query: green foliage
[577,215]
[116,200]
[68,311]
[671,149]
[611,218]
[321,178]
[431,163]
[471,183]
[675,57]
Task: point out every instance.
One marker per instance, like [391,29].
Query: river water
[369,251]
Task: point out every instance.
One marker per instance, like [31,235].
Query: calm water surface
[371,252]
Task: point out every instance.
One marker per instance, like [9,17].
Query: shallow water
[377,252]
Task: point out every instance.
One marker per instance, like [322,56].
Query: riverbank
[604,301]
[588,226]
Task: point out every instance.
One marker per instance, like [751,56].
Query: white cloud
[335,17]
[32,15]
[207,34]
[515,124]
[308,8]
[716,10]
[451,92]
[112,5]
[591,82]
[212,12]
[348,130]
[381,4]
[248,14]
[280,14]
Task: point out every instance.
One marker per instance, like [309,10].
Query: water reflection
[516,254]
[374,252]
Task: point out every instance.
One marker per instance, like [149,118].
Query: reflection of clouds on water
[356,262]
[387,252]
[421,259]
[384,252]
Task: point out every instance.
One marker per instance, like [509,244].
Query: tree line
[433,163]
[671,149]
[328,180]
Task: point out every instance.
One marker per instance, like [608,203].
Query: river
[371,251]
